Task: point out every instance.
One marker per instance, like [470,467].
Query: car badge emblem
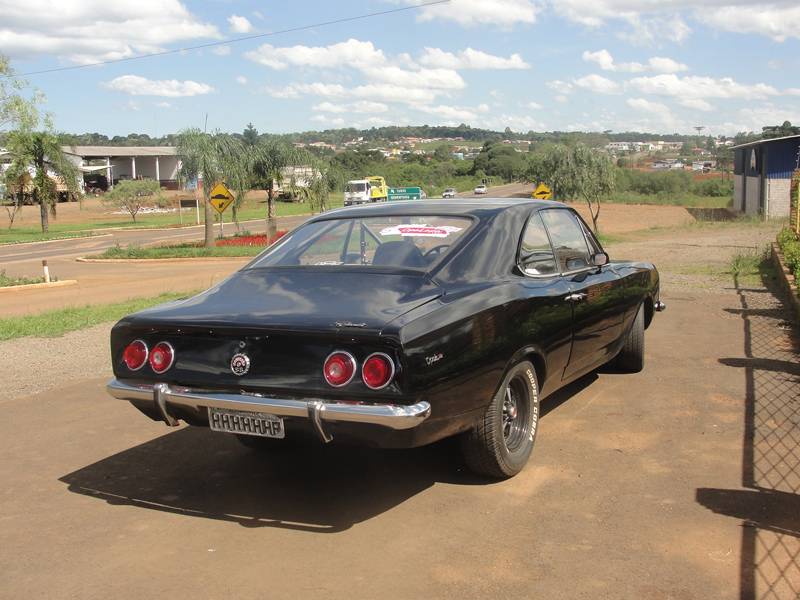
[240,364]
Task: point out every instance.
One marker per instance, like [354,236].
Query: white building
[160,163]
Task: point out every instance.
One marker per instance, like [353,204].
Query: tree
[269,159]
[40,153]
[784,129]
[576,173]
[16,110]
[250,135]
[132,194]
[442,153]
[216,157]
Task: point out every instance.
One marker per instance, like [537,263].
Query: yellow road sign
[542,192]
[221,197]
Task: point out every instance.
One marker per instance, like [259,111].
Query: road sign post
[221,198]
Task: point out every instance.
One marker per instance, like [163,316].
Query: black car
[395,325]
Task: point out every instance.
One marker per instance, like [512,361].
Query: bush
[790,246]
[717,188]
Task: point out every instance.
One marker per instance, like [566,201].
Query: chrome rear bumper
[393,416]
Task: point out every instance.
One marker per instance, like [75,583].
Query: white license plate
[245,423]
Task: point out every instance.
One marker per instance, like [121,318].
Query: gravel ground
[33,365]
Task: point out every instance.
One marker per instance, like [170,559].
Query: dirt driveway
[678,482]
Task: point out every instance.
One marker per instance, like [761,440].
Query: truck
[363,191]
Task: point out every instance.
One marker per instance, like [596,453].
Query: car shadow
[324,489]
[309,487]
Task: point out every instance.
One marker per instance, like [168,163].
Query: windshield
[355,187]
[411,242]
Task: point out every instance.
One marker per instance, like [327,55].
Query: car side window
[594,245]
[536,255]
[569,243]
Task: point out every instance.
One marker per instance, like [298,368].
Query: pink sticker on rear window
[420,231]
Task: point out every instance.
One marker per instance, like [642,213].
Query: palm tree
[269,159]
[40,152]
[216,157]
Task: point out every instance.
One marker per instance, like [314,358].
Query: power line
[234,40]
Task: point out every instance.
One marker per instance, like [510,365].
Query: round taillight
[161,357]
[135,355]
[377,371]
[339,368]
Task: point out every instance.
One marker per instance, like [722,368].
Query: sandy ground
[678,482]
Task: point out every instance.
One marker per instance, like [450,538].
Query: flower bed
[250,240]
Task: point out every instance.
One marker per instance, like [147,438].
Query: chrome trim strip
[393,416]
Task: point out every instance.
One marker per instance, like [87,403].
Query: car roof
[467,207]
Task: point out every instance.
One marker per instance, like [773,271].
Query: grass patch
[56,323]
[7,281]
[751,267]
[179,251]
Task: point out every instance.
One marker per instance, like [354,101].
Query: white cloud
[450,114]
[481,13]
[695,104]
[664,20]
[332,121]
[170,88]
[85,31]
[240,24]
[241,80]
[700,87]
[661,64]
[163,105]
[657,64]
[352,53]
[657,113]
[221,50]
[755,117]
[470,59]
[562,87]
[598,84]
[362,106]
[533,105]
[561,99]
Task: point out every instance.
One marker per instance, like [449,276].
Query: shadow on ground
[769,507]
[308,487]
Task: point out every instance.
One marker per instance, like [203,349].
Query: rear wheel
[500,444]
[631,357]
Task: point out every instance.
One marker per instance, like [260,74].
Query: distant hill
[396,133]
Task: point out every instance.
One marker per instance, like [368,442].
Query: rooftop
[103,151]
[767,140]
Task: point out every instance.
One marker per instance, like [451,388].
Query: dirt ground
[682,481]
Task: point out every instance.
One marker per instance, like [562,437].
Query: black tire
[499,445]
[631,357]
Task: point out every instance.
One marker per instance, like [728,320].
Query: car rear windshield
[407,242]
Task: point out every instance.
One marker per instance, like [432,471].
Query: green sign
[405,193]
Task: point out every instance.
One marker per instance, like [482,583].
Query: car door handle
[575,297]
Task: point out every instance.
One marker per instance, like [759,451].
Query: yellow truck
[378,190]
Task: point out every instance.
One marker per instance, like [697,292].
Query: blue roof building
[762,176]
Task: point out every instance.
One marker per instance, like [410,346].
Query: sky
[662,66]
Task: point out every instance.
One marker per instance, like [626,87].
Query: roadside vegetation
[55,323]
[9,281]
[244,244]
[790,247]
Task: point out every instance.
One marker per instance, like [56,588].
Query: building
[160,163]
[762,176]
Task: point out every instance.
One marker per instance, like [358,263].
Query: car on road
[449,193]
[395,325]
[480,189]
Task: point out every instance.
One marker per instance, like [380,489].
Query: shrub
[790,246]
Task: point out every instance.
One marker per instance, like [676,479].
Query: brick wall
[778,197]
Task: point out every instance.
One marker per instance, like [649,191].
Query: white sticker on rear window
[420,231]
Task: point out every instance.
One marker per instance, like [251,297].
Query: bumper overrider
[317,411]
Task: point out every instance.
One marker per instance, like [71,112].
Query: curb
[787,279]
[34,286]
[64,239]
[83,259]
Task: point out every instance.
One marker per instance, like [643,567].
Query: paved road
[678,482]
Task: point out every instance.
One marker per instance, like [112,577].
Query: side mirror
[600,259]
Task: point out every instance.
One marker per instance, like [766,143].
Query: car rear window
[408,242]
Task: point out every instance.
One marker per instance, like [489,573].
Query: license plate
[246,423]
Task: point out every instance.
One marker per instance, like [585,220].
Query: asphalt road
[678,482]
